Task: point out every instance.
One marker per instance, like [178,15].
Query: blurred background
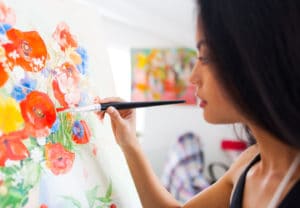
[180,145]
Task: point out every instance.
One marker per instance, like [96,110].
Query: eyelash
[204,60]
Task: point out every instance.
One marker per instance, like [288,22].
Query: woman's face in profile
[217,108]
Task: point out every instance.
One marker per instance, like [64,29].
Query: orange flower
[38,112]
[58,159]
[27,49]
[63,36]
[3,75]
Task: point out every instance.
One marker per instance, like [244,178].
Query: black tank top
[291,200]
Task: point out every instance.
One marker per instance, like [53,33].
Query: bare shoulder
[241,162]
[218,195]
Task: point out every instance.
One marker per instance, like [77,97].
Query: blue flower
[78,129]
[55,126]
[4,28]
[84,57]
[20,91]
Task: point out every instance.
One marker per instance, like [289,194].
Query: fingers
[114,115]
[101,114]
[97,99]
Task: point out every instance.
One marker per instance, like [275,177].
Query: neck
[275,155]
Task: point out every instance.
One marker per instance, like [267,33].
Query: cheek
[219,109]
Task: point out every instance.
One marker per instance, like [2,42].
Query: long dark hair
[255,45]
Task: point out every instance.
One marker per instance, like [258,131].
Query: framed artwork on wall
[162,74]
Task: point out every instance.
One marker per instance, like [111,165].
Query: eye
[203,60]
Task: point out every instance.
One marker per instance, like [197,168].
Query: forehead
[199,32]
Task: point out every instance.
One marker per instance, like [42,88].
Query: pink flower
[66,85]
[58,159]
[63,37]
[7,15]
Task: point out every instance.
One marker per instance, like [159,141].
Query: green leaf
[109,190]
[24,201]
[13,198]
[104,199]
[10,170]
[91,196]
[75,202]
[64,133]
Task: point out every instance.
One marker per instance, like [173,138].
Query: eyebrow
[200,43]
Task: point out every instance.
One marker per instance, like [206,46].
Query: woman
[248,71]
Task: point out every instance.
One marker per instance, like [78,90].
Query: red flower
[27,49]
[60,97]
[63,36]
[58,159]
[11,146]
[81,132]
[113,206]
[38,112]
[13,150]
[43,206]
[3,75]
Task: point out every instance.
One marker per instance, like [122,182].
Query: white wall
[160,126]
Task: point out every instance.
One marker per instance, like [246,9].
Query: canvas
[162,74]
[52,57]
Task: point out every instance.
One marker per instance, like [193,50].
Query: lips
[203,103]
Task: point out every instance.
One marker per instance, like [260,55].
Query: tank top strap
[237,196]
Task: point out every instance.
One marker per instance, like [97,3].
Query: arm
[219,194]
[151,192]
[216,196]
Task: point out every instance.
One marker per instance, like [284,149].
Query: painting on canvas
[162,74]
[52,57]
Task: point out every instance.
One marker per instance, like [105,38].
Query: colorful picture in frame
[52,59]
[162,74]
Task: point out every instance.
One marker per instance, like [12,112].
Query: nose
[195,78]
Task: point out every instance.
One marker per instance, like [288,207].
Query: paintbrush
[119,105]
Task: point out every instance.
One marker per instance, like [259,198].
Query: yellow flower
[10,115]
